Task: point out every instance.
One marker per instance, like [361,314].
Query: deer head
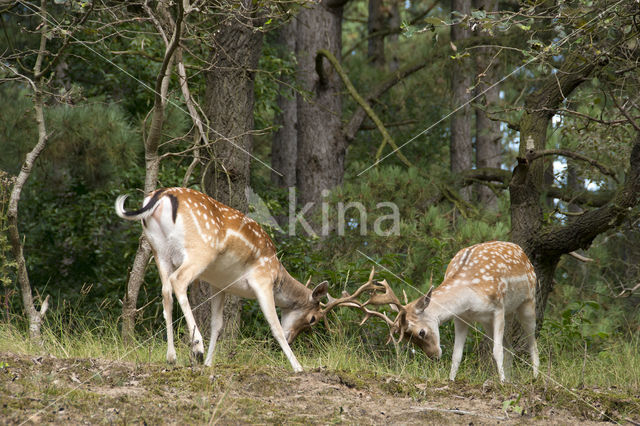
[408,322]
[300,318]
[423,329]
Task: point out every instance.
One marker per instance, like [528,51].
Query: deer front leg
[498,336]
[180,281]
[217,321]
[462,328]
[264,294]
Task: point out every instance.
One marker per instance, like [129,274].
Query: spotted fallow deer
[484,283]
[193,237]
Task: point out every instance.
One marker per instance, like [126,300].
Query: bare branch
[626,292]
[533,155]
[625,113]
[580,257]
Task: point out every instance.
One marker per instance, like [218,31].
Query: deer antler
[351,299]
[382,294]
[386,298]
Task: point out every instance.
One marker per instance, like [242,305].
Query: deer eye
[422,333]
[313,319]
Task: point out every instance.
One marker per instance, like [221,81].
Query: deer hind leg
[264,293]
[217,307]
[462,328]
[167,306]
[498,336]
[180,280]
[508,346]
[527,319]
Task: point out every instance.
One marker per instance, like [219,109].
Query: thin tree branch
[531,156]
[392,124]
[580,257]
[625,113]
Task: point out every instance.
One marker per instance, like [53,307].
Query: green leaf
[433,20]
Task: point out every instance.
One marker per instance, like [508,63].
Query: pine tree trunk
[395,21]
[461,148]
[375,24]
[230,100]
[321,143]
[488,138]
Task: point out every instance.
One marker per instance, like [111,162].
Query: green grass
[614,363]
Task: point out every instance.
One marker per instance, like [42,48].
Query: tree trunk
[136,278]
[34,316]
[461,148]
[236,48]
[488,138]
[321,143]
[285,140]
[394,22]
[375,24]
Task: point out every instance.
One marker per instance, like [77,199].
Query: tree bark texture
[321,143]
[375,24]
[461,148]
[488,139]
[285,141]
[395,21]
[236,48]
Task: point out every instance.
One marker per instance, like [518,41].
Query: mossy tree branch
[386,137]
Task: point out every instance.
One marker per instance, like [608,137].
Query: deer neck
[288,292]
[447,302]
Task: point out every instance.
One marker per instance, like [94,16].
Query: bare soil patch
[73,391]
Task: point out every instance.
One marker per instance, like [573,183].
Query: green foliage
[88,143]
[513,405]
[429,234]
[578,325]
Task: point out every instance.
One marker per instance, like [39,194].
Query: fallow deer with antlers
[193,237]
[484,283]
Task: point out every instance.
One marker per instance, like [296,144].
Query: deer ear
[320,291]
[423,302]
